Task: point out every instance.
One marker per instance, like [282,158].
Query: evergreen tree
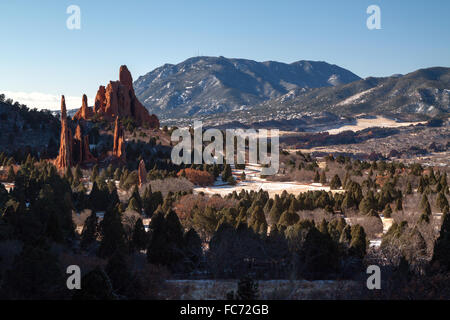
[442,245]
[11,175]
[317,177]
[359,242]
[119,273]
[247,289]
[113,235]
[323,178]
[441,201]
[409,188]
[95,285]
[288,218]
[335,182]
[387,212]
[34,274]
[226,173]
[426,214]
[274,214]
[94,173]
[89,233]
[258,221]
[399,205]
[193,248]
[424,202]
[139,238]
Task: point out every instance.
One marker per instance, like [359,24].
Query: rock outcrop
[81,151]
[64,159]
[118,99]
[85,112]
[142,173]
[119,141]
[73,150]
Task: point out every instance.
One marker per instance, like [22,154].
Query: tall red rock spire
[142,173]
[82,154]
[85,112]
[119,141]
[64,159]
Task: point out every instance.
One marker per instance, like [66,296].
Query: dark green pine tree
[53,229]
[89,233]
[193,249]
[94,173]
[317,177]
[165,240]
[335,182]
[258,221]
[359,241]
[247,289]
[442,245]
[441,201]
[288,218]
[113,235]
[95,285]
[323,177]
[387,212]
[140,237]
[11,175]
[424,202]
[426,214]
[399,205]
[275,213]
[119,273]
[409,188]
[34,274]
[226,173]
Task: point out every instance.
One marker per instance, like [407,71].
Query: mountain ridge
[208,85]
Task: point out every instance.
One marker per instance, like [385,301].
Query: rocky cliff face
[73,150]
[118,100]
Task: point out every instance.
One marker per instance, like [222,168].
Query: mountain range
[418,95]
[223,90]
[209,85]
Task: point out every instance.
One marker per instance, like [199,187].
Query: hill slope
[27,130]
[423,93]
[209,85]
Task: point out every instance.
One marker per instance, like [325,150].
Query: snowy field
[255,182]
[364,123]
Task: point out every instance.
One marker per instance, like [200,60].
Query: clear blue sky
[39,54]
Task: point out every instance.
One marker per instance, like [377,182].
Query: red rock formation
[118,99]
[85,112]
[82,154]
[142,173]
[64,159]
[100,100]
[72,150]
[119,141]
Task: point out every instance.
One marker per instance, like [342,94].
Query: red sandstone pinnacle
[81,143]
[119,141]
[64,159]
[72,149]
[142,173]
[125,77]
[100,100]
[85,112]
